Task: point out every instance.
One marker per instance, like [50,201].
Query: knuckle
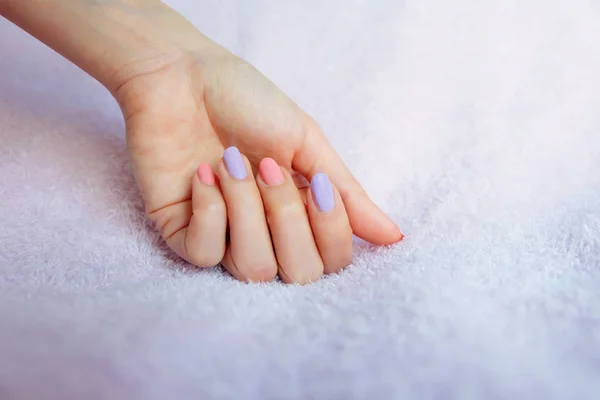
[203,256]
[288,209]
[259,272]
[301,273]
[212,207]
[339,262]
[206,260]
[346,262]
[311,125]
[301,277]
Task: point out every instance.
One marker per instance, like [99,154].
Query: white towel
[474,124]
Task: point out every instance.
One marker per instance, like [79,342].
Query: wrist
[151,36]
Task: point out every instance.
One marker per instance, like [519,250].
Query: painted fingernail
[206,174]
[323,192]
[270,172]
[235,163]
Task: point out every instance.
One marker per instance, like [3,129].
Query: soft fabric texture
[475,125]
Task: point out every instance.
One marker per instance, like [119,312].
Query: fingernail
[323,192]
[206,174]
[270,172]
[235,163]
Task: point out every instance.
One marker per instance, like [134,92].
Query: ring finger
[295,247]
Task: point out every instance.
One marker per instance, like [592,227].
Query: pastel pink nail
[206,174]
[270,172]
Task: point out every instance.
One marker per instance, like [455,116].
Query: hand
[185,115]
[309,237]
[185,99]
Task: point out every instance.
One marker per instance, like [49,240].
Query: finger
[330,224]
[295,248]
[202,241]
[205,239]
[367,220]
[195,229]
[250,248]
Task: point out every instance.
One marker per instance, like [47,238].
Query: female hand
[272,228]
[185,115]
[185,100]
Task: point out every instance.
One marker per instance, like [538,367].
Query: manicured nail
[323,192]
[270,172]
[206,174]
[235,163]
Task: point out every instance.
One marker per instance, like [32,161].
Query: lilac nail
[321,188]
[235,163]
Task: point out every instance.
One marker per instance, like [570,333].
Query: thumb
[367,220]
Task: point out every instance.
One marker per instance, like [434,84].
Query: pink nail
[270,172]
[206,175]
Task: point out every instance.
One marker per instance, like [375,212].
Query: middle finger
[250,255]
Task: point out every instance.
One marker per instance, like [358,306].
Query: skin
[185,99]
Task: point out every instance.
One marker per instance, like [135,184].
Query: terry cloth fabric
[474,124]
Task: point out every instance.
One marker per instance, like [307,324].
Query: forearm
[112,40]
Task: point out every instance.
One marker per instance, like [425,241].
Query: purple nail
[235,163]
[321,188]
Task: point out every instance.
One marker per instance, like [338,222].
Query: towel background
[474,124]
